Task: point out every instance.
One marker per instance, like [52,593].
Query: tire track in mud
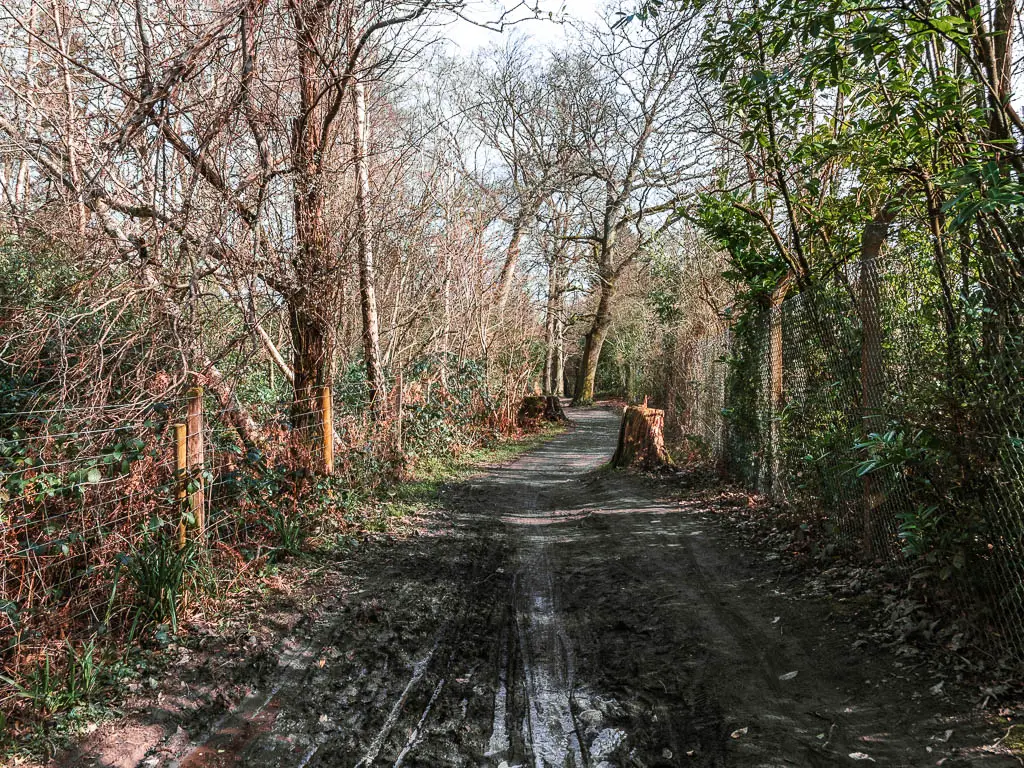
[550,728]
[484,679]
[562,616]
[538,700]
[391,668]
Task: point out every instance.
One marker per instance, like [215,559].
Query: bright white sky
[466,37]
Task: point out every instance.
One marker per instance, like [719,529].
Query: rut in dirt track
[566,615]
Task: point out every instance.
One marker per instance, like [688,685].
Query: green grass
[70,692]
[506,450]
[429,474]
[54,687]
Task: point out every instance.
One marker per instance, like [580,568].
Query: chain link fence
[886,399]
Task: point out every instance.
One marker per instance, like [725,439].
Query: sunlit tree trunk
[367,278]
[512,253]
[310,306]
[550,331]
[558,382]
[593,342]
[74,171]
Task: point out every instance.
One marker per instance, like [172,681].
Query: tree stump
[536,408]
[553,410]
[642,439]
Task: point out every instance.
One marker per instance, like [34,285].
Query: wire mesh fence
[866,399]
[694,411]
[107,511]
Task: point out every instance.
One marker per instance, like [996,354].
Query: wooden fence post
[327,414]
[398,414]
[196,458]
[181,477]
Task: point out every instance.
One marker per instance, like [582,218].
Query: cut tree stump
[553,410]
[642,439]
[541,408]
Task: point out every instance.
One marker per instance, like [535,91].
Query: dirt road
[566,615]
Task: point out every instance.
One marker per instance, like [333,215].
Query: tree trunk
[558,382]
[642,439]
[312,306]
[312,332]
[593,342]
[23,185]
[313,351]
[508,269]
[70,119]
[367,278]
[549,335]
[775,388]
[554,368]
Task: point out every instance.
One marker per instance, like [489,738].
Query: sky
[466,37]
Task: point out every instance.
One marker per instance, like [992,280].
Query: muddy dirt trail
[564,615]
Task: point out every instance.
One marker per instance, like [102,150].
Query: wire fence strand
[905,434]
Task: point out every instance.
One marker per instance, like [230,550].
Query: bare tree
[635,151]
[560,257]
[192,134]
[518,115]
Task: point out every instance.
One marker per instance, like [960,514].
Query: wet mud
[557,614]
